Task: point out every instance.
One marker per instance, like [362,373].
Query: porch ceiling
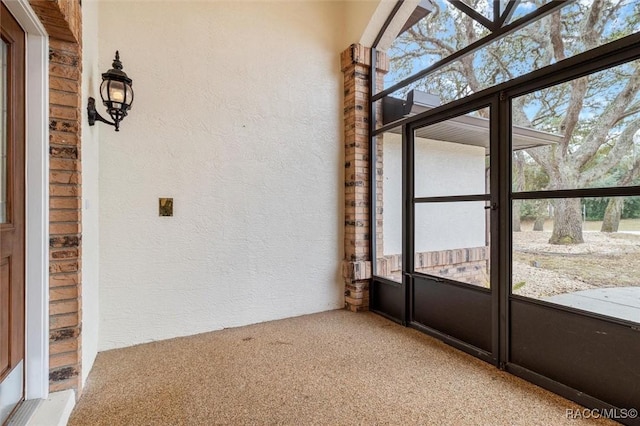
[472,130]
[464,129]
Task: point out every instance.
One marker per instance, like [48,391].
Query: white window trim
[37,201]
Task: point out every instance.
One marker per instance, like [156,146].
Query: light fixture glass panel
[104,90]
[129,94]
[116,91]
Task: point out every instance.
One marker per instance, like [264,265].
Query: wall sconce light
[116,93]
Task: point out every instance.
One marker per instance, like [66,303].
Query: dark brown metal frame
[564,323]
[606,56]
[492,203]
[499,19]
[499,99]
[392,285]
[497,34]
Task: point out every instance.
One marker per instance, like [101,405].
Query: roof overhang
[424,8]
[463,129]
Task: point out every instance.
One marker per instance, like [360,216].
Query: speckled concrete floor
[329,368]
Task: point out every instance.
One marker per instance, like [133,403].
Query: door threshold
[24,412]
[53,411]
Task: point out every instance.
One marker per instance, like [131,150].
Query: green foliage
[528,210]
[517,286]
[535,177]
[631,209]
[595,208]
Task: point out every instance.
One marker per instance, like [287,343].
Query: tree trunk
[538,225]
[612,215]
[541,216]
[516,216]
[567,222]
[518,185]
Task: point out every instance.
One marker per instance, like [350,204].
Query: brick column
[63,21]
[356,267]
[65,187]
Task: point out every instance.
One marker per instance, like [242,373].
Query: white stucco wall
[364,18]
[447,168]
[90,198]
[237,116]
[392,194]
[441,169]
[447,226]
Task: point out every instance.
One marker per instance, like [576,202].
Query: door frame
[491,198]
[600,58]
[37,201]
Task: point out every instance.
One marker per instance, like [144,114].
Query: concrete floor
[331,368]
[617,302]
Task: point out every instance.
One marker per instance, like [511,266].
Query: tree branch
[632,110]
[545,157]
[589,34]
[422,38]
[556,36]
[576,103]
[632,174]
[518,115]
[622,147]
[503,67]
[467,61]
[616,109]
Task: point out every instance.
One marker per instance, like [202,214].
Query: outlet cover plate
[165,206]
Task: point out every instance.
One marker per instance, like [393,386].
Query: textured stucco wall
[364,18]
[90,198]
[237,117]
[441,169]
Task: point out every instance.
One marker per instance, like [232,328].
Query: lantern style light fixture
[116,93]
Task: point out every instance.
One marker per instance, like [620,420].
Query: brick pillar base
[356,268]
[356,281]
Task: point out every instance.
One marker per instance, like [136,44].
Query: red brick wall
[63,21]
[469,265]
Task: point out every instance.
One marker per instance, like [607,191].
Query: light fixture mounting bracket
[94,116]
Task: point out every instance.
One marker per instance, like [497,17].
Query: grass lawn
[604,260]
[620,270]
[625,225]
